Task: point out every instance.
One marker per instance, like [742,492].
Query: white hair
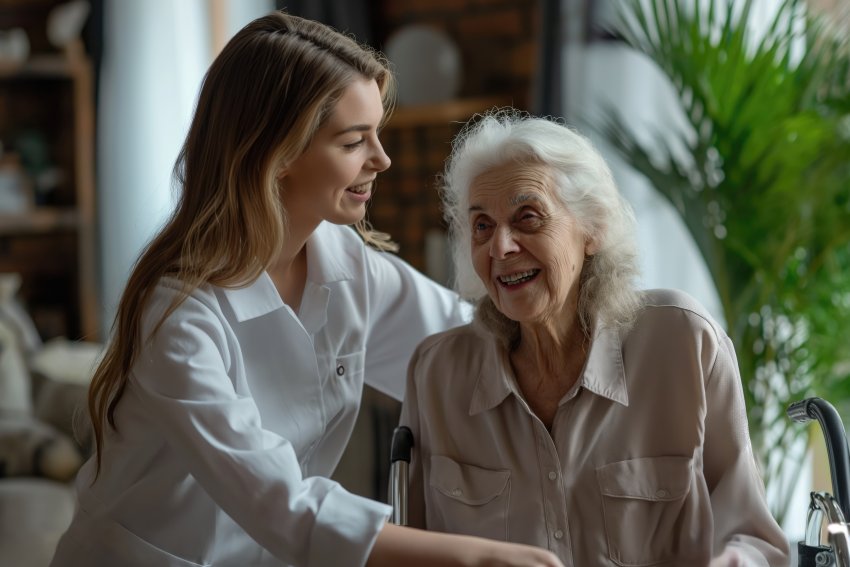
[585,186]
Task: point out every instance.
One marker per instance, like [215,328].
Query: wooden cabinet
[47,135]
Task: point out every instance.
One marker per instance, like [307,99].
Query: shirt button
[661,493]
[457,492]
[340,370]
[553,475]
[559,534]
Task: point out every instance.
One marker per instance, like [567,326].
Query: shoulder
[170,305]
[678,309]
[674,327]
[462,349]
[448,365]
[168,290]
[455,339]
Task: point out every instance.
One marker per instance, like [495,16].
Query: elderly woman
[576,413]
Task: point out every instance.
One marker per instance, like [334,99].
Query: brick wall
[498,41]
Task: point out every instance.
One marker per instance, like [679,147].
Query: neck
[547,362]
[550,345]
[289,269]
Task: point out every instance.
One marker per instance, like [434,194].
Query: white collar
[330,258]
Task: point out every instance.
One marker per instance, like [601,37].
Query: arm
[745,533]
[404,308]
[397,545]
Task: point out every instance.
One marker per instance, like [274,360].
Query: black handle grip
[836,443]
[799,411]
[401,444]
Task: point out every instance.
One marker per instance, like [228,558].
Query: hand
[499,554]
[729,558]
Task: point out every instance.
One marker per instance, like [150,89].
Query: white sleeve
[181,379]
[745,533]
[404,308]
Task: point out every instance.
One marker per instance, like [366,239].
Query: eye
[481,228]
[354,145]
[528,218]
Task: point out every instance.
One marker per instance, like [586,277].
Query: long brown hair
[262,100]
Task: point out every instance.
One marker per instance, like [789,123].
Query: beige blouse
[648,462]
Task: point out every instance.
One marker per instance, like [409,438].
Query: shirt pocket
[467,499]
[646,512]
[348,366]
[344,385]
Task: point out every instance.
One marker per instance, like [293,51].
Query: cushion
[61,372]
[31,448]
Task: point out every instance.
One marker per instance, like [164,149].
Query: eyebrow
[524,197]
[355,128]
[516,200]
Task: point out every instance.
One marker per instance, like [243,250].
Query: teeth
[360,188]
[518,277]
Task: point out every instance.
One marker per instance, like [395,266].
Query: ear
[591,246]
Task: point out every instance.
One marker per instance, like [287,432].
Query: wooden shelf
[38,67]
[38,221]
[439,114]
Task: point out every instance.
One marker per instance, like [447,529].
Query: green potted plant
[764,189]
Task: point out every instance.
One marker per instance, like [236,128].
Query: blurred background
[729,141]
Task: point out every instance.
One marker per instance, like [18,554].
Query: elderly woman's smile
[519,278]
[526,246]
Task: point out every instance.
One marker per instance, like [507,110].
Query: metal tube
[398,493]
[839,539]
[402,444]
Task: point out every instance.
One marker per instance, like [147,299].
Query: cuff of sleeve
[346,528]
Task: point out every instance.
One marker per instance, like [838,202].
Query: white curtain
[600,73]
[154,57]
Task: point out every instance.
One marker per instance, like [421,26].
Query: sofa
[44,435]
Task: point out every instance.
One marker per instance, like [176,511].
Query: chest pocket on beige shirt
[467,499]
[647,517]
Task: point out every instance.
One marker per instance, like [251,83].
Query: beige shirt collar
[604,373]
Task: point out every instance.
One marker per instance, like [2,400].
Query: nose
[503,243]
[379,161]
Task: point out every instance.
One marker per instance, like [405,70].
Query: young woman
[249,326]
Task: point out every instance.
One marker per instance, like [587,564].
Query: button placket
[549,464]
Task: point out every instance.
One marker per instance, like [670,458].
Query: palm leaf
[764,189]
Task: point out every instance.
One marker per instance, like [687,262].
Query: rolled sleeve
[346,527]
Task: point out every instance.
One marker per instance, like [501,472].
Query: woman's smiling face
[333,179]
[526,246]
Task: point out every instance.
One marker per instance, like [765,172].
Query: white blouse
[238,409]
[648,460]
